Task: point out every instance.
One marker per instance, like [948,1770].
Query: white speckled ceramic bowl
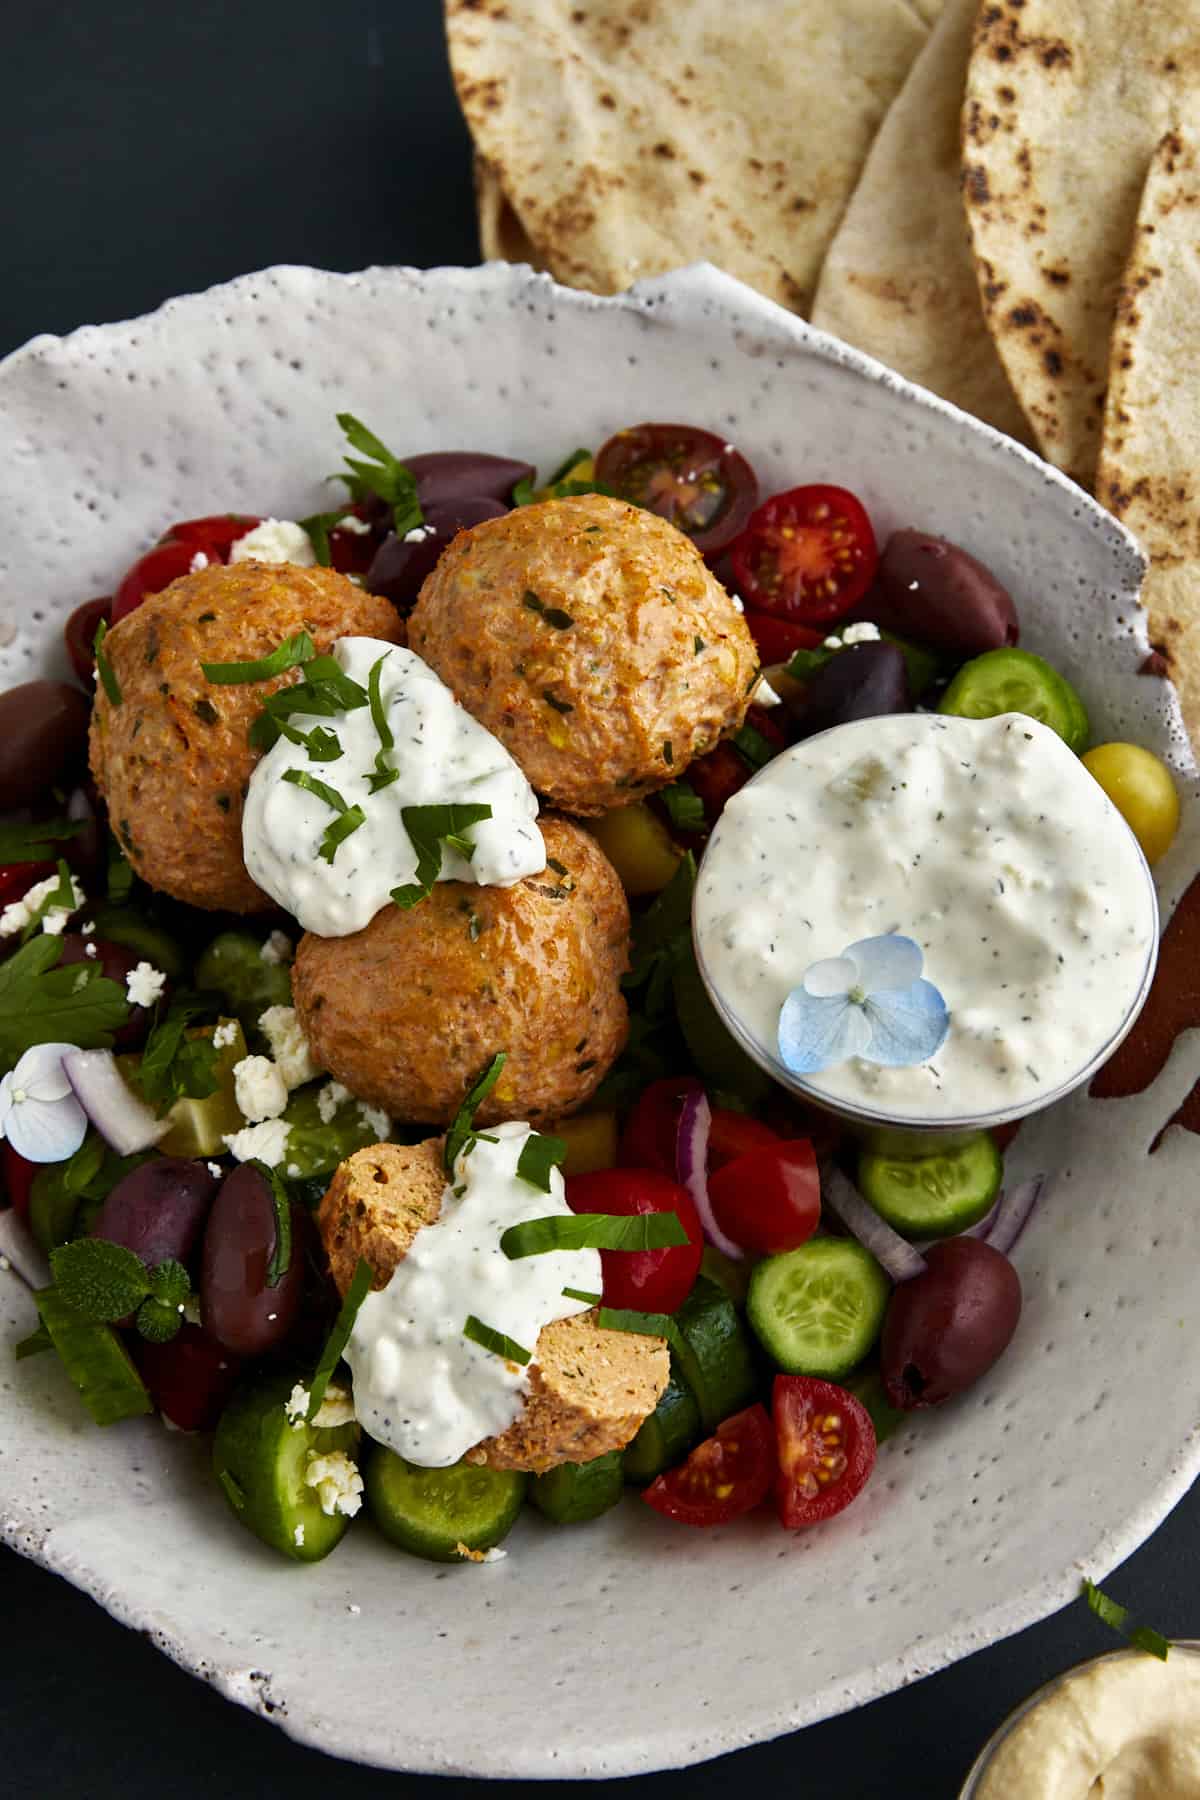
[565,1658]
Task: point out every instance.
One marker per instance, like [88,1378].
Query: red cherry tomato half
[151,573]
[352,552]
[825,1443]
[79,634]
[779,639]
[808,554]
[18,1179]
[645,1280]
[216,534]
[696,480]
[727,1475]
[769,1199]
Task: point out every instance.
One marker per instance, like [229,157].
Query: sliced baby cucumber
[261,1457]
[732,1277]
[96,1361]
[933,1196]
[1007,681]
[819,1309]
[439,1513]
[714,1353]
[665,1438]
[575,1492]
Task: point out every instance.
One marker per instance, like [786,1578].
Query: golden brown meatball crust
[408,1011]
[591,638]
[172,760]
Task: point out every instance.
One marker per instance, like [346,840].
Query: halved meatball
[407,1012]
[173,759]
[591,638]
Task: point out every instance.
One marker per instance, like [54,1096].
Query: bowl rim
[689,1740]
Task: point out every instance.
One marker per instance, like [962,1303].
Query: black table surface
[153,150]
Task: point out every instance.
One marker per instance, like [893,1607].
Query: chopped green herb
[348,821]
[429,827]
[593,1231]
[174,1066]
[281,1251]
[101,1281]
[461,1131]
[120,873]
[234,1492]
[289,654]
[698,645]
[802,665]
[668,752]
[670,596]
[61,898]
[157,1321]
[495,1341]
[339,1337]
[318,526]
[104,668]
[42,1003]
[206,711]
[384,774]
[30,843]
[567,464]
[553,615]
[753,746]
[95,1360]
[641,1324]
[552,862]
[539,1155]
[325,691]
[685,808]
[474,927]
[381,473]
[1117,1617]
[562,706]
[582,1294]
[523,494]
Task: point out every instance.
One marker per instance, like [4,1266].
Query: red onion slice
[123,1121]
[894,1253]
[1011,1214]
[691,1166]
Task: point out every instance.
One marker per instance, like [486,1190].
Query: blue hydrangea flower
[871,1002]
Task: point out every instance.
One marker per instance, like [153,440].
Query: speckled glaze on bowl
[565,1658]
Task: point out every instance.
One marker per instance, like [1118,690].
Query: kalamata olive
[87,851]
[860,683]
[190,1378]
[117,962]
[946,1327]
[79,634]
[456,475]
[929,590]
[237,1306]
[399,567]
[158,1209]
[43,729]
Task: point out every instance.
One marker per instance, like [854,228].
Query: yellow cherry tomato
[591,1140]
[638,845]
[1140,787]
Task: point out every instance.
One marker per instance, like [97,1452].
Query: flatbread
[1149,471]
[1065,102]
[627,137]
[898,280]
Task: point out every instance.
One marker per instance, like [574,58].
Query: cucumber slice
[575,1492]
[933,1196]
[96,1361]
[714,1353]
[732,1277]
[1002,681]
[260,1458]
[819,1309]
[665,1438]
[438,1513]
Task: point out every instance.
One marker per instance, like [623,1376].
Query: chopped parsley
[592,1231]
[539,1155]
[42,1002]
[461,1132]
[385,772]
[349,817]
[288,655]
[429,827]
[553,615]
[377,471]
[495,1341]
[104,668]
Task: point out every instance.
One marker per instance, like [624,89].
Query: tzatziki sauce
[443,756]
[984,840]
[420,1386]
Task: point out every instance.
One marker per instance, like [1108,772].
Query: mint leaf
[287,655]
[42,1003]
[170,1282]
[157,1322]
[101,1281]
[428,828]
[461,1131]
[540,1154]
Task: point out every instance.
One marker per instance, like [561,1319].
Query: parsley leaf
[287,655]
[31,843]
[384,774]
[540,1154]
[382,474]
[350,817]
[1118,1617]
[175,1066]
[42,1003]
[495,1341]
[102,1281]
[325,691]
[318,527]
[461,1131]
[429,827]
[104,668]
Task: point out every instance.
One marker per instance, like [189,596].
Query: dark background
[153,150]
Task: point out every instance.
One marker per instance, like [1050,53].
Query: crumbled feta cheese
[337,1408]
[296,1405]
[419,533]
[225,1034]
[277,949]
[289,1046]
[20,913]
[375,1119]
[144,985]
[337,1481]
[861,632]
[215,1169]
[495,1554]
[739,605]
[275,541]
[90,950]
[765,695]
[354,525]
[293,1170]
[331,1096]
[259,1089]
[88,927]
[198,562]
[265,1143]
[298,1537]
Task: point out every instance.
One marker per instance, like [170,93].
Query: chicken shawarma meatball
[172,759]
[590,637]
[408,1012]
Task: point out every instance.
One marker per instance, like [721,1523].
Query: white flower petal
[40,1072]
[6,1101]
[836,975]
[46,1132]
[885,962]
